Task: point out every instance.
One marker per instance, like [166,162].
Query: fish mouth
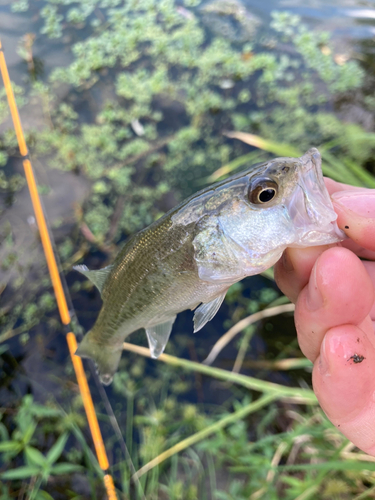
[310,206]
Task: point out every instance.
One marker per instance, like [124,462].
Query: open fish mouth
[310,206]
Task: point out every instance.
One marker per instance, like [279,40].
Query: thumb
[356,215]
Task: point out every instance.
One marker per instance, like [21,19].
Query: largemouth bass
[191,256]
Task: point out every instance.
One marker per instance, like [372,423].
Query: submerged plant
[170,92]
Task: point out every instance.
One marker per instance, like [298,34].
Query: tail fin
[105,358]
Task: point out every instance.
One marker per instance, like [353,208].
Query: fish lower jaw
[316,238]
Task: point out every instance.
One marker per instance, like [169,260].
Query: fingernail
[323,360]
[287,262]
[314,298]
[360,202]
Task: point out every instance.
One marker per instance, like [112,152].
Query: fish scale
[126,284]
[191,256]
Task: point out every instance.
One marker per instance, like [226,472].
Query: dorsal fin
[98,277]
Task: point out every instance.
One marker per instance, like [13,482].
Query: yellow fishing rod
[57,285]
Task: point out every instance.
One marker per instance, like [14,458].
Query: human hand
[334,295]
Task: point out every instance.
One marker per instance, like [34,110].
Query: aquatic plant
[170,92]
[277,453]
[149,93]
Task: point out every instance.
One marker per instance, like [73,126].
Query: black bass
[191,256]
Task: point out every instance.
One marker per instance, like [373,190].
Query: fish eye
[262,191]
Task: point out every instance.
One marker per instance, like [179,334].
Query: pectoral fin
[158,337]
[98,277]
[205,312]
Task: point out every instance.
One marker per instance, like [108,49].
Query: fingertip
[335,186]
[345,285]
[344,383]
[343,373]
[356,216]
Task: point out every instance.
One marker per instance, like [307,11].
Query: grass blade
[295,394]
[277,148]
[22,472]
[199,436]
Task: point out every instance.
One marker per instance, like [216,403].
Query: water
[37,360]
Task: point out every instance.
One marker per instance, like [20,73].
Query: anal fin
[205,312]
[158,337]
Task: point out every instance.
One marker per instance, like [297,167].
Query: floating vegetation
[163,73]
[142,115]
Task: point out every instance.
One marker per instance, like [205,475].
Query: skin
[335,312]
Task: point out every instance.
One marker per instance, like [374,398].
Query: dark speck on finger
[357,358]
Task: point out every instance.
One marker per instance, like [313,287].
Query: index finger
[355,208]
[334,186]
[356,217]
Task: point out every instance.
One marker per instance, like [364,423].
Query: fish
[190,257]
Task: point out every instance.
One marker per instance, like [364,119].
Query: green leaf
[331,466]
[43,495]
[34,457]
[21,472]
[29,432]
[44,411]
[65,468]
[10,446]
[365,177]
[57,448]
[4,435]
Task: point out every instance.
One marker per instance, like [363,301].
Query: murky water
[36,360]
